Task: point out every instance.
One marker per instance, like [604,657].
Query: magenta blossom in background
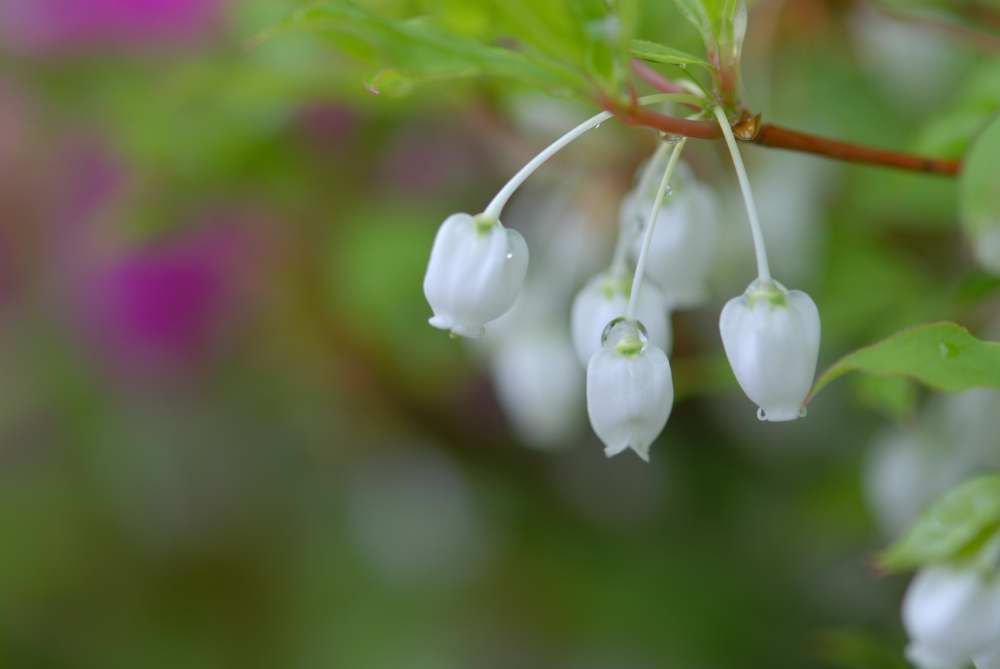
[53,25]
[161,308]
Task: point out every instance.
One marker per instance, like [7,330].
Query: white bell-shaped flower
[605,298]
[771,337]
[630,390]
[476,270]
[684,243]
[952,615]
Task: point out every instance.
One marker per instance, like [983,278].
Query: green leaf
[658,53]
[416,50]
[712,17]
[951,528]
[894,396]
[979,197]
[722,24]
[943,356]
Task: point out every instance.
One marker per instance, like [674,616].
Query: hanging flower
[629,390]
[684,242]
[476,270]
[771,337]
[952,613]
[605,298]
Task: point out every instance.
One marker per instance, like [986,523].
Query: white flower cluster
[620,323]
[952,612]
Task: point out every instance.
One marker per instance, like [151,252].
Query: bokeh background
[228,438]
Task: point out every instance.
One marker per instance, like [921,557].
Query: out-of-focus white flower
[917,63]
[910,467]
[539,385]
[988,660]
[684,243]
[986,247]
[907,469]
[771,337]
[605,298]
[630,390]
[952,612]
[476,270]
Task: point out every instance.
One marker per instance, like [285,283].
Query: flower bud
[684,242]
[476,270]
[771,337]
[629,390]
[605,298]
[952,615]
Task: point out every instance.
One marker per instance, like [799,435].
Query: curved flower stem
[640,266]
[627,230]
[763,270]
[496,205]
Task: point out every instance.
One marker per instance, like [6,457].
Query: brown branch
[778,137]
[633,114]
[979,13]
[749,129]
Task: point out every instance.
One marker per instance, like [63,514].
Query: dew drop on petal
[948,349]
[761,416]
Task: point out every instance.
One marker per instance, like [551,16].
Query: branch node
[747,126]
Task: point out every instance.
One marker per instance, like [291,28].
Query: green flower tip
[629,346]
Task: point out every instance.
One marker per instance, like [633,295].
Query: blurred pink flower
[162,307]
[54,25]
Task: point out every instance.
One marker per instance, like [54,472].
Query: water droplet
[510,256]
[683,66]
[948,349]
[761,416]
[625,336]
[802,412]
